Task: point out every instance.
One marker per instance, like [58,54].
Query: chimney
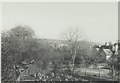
[116,48]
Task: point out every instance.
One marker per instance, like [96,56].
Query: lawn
[93,74]
[90,71]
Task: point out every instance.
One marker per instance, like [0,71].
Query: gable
[97,49]
[108,52]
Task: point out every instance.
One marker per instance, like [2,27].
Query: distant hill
[57,42]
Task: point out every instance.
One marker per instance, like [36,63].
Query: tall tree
[18,44]
[73,37]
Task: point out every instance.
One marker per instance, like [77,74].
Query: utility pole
[118,68]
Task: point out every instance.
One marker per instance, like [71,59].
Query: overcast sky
[97,20]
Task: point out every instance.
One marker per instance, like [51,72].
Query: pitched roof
[97,49]
[108,52]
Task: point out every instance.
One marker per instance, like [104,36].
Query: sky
[97,20]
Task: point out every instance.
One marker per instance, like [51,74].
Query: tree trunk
[74,55]
[44,64]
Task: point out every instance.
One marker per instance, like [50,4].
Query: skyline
[98,21]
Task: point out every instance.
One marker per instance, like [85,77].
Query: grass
[91,72]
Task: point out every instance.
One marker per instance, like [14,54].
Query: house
[108,49]
[104,53]
[108,53]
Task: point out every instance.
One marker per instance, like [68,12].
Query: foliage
[18,45]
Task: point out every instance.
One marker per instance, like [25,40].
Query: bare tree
[73,35]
